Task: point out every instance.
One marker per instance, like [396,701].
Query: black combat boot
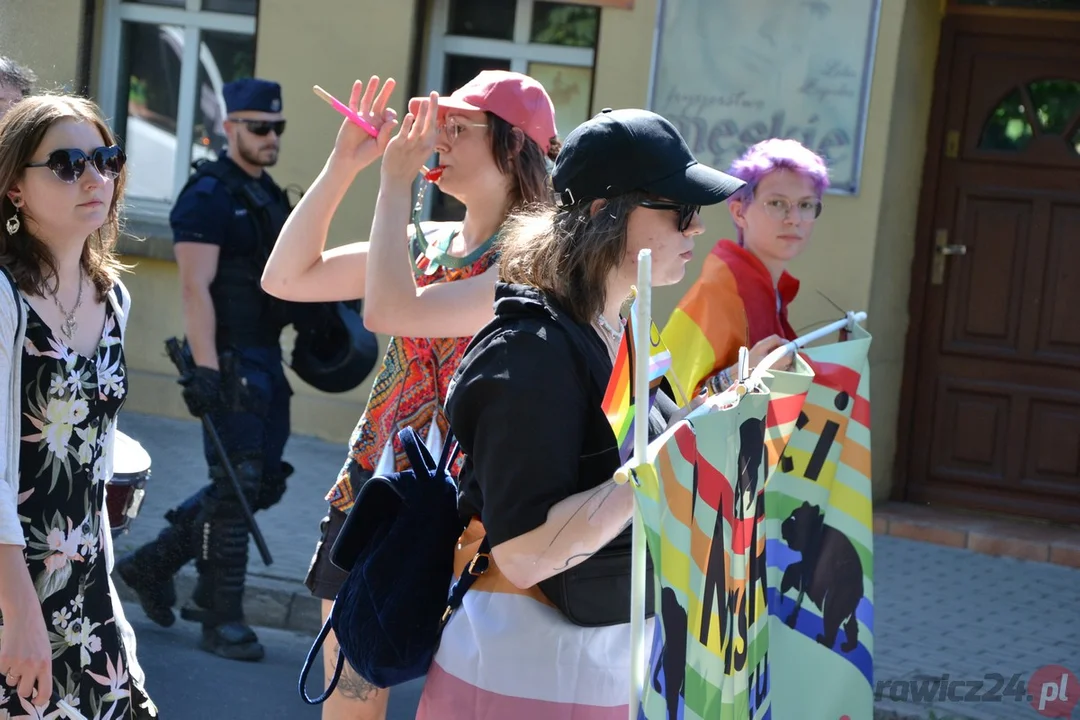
[149,570]
[217,603]
[218,600]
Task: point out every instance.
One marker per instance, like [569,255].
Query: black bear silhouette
[673,654]
[830,572]
[749,481]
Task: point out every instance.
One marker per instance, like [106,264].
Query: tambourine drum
[125,489]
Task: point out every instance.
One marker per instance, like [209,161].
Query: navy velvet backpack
[397,544]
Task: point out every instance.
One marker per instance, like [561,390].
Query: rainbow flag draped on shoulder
[619,400]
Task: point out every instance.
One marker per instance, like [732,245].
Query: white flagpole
[766,364]
[642,344]
[732,394]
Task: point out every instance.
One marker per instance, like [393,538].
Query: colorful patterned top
[411,385]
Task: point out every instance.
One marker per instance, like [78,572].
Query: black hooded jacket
[525,405]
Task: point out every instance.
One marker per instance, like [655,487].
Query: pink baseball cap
[516,98]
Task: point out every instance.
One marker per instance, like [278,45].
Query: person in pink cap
[495,137]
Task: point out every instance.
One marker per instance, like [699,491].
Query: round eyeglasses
[454,128]
[781,208]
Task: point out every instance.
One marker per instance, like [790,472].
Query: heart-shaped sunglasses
[69,164]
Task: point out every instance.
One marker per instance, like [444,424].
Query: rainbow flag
[731,303]
[619,398]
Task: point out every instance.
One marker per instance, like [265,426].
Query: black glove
[202,390]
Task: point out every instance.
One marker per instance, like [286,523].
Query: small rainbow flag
[619,398]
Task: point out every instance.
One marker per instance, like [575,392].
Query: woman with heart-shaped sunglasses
[63,380]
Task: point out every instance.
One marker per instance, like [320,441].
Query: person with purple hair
[741,298]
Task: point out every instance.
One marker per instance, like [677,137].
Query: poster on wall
[729,74]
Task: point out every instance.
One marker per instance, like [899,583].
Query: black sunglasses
[69,164]
[263,127]
[686,212]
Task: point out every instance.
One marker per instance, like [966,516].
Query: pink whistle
[344,110]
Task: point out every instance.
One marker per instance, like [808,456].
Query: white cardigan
[13,326]
[12,339]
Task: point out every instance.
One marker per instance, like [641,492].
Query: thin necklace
[610,336]
[70,326]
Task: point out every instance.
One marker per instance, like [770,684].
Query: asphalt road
[189,684]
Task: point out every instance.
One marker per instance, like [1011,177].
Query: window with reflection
[553,42]
[150,99]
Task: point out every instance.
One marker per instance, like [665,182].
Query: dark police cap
[252,94]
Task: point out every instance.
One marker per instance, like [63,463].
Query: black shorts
[324,578]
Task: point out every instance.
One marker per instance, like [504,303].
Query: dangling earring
[13,223]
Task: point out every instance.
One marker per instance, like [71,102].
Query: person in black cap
[225,222]
[525,405]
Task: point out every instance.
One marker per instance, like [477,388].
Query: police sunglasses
[262,127]
[686,212]
[68,165]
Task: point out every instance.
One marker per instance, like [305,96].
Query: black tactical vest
[246,315]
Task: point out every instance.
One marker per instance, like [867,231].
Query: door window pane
[1056,103]
[1007,128]
[483,18]
[569,25]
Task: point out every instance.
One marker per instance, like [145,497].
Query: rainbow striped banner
[819,538]
[759,524]
[618,404]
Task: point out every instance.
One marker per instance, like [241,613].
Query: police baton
[180,354]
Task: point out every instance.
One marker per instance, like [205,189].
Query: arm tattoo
[354,687]
[605,490]
[572,558]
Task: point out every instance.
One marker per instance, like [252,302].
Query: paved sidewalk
[942,610]
[939,610]
[275,595]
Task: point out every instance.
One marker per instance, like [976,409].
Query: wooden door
[994,405]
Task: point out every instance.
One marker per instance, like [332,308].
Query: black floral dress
[69,405]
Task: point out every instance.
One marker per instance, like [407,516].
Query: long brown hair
[26,257]
[518,155]
[568,252]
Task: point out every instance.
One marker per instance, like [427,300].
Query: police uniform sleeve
[201,213]
[518,410]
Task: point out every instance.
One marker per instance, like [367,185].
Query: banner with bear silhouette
[703,506]
[728,580]
[819,546]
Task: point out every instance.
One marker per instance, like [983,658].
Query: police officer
[224,223]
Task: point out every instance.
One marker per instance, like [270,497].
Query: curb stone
[268,602]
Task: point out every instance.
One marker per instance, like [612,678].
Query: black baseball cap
[621,151]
